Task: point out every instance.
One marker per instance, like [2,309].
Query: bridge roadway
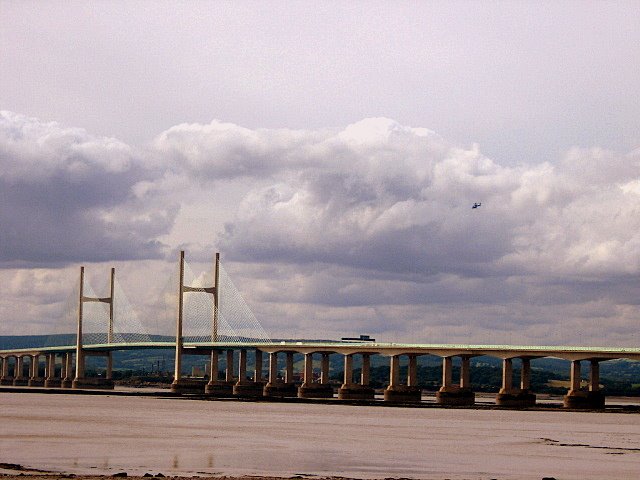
[12,363]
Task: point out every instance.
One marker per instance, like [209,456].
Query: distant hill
[8,342]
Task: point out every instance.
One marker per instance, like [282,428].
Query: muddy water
[104,434]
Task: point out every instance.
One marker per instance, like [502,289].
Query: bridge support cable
[235,315]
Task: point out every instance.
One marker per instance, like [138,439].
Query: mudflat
[88,435]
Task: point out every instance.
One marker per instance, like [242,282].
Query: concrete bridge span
[36,366]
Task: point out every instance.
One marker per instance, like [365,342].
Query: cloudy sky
[331,154]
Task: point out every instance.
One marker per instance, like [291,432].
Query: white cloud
[368,228]
[68,195]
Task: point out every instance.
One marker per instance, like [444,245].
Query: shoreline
[14,471]
[546,403]
[39,475]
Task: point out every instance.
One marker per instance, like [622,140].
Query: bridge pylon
[189,385]
[80,381]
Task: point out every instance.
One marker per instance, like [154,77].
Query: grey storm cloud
[68,196]
[398,199]
[370,224]
[375,195]
[374,222]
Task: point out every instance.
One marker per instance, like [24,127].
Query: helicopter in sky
[476,205]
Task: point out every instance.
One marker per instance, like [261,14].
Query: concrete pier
[6,378]
[19,380]
[397,391]
[355,391]
[51,381]
[67,370]
[309,388]
[35,380]
[278,387]
[508,396]
[221,387]
[592,398]
[246,387]
[451,394]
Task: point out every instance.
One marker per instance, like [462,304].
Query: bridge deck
[347,348]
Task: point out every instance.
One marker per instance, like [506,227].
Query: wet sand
[89,435]
[37,475]
[65,476]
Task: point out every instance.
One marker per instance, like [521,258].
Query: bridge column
[310,389]
[14,371]
[182,384]
[595,395]
[397,391]
[447,372]
[465,373]
[575,398]
[394,370]
[109,370]
[412,371]
[273,367]
[271,388]
[348,370]
[592,398]
[245,387]
[35,380]
[19,379]
[324,374]
[214,369]
[80,381]
[66,371]
[257,374]
[52,381]
[365,373]
[525,375]
[288,372]
[50,366]
[178,385]
[242,365]
[229,371]
[451,394]
[594,376]
[79,378]
[356,391]
[277,387]
[216,387]
[308,369]
[6,379]
[576,376]
[507,376]
[508,396]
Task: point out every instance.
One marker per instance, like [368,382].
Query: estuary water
[108,434]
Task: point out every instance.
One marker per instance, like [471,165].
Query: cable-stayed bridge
[213,319]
